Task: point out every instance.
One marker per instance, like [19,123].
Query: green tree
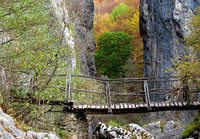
[31,43]
[114,50]
[120,10]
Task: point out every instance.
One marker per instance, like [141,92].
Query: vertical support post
[186,94]
[108,97]
[67,89]
[146,91]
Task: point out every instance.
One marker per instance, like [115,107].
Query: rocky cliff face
[82,16]
[163,25]
[76,22]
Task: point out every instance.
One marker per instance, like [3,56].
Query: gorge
[163,26]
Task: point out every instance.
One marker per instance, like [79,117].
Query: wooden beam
[108,97]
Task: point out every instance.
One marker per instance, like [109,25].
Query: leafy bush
[114,50]
[119,10]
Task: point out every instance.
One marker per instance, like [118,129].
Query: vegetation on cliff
[190,64]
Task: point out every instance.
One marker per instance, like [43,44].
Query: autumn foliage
[121,16]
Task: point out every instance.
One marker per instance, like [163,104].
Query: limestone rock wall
[82,16]
[76,22]
[163,25]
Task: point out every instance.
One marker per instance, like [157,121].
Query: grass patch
[63,134]
[114,123]
[193,126]
[162,125]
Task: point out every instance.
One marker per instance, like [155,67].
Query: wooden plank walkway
[123,108]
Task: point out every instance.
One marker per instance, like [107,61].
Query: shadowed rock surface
[82,16]
[163,25]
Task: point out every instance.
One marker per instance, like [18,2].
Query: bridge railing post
[108,96]
[186,94]
[146,91]
[67,89]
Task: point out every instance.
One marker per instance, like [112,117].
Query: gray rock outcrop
[168,130]
[163,24]
[133,131]
[8,130]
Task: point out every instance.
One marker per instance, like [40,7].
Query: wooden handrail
[88,91]
[145,91]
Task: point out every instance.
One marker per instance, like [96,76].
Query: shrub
[114,50]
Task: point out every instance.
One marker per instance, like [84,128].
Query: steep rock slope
[163,25]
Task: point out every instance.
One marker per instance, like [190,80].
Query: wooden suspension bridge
[124,95]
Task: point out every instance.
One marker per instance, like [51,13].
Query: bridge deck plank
[125,106]
[137,106]
[180,104]
[121,106]
[98,107]
[163,104]
[117,106]
[184,103]
[171,104]
[156,105]
[141,105]
[167,104]
[130,106]
[152,105]
[195,103]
